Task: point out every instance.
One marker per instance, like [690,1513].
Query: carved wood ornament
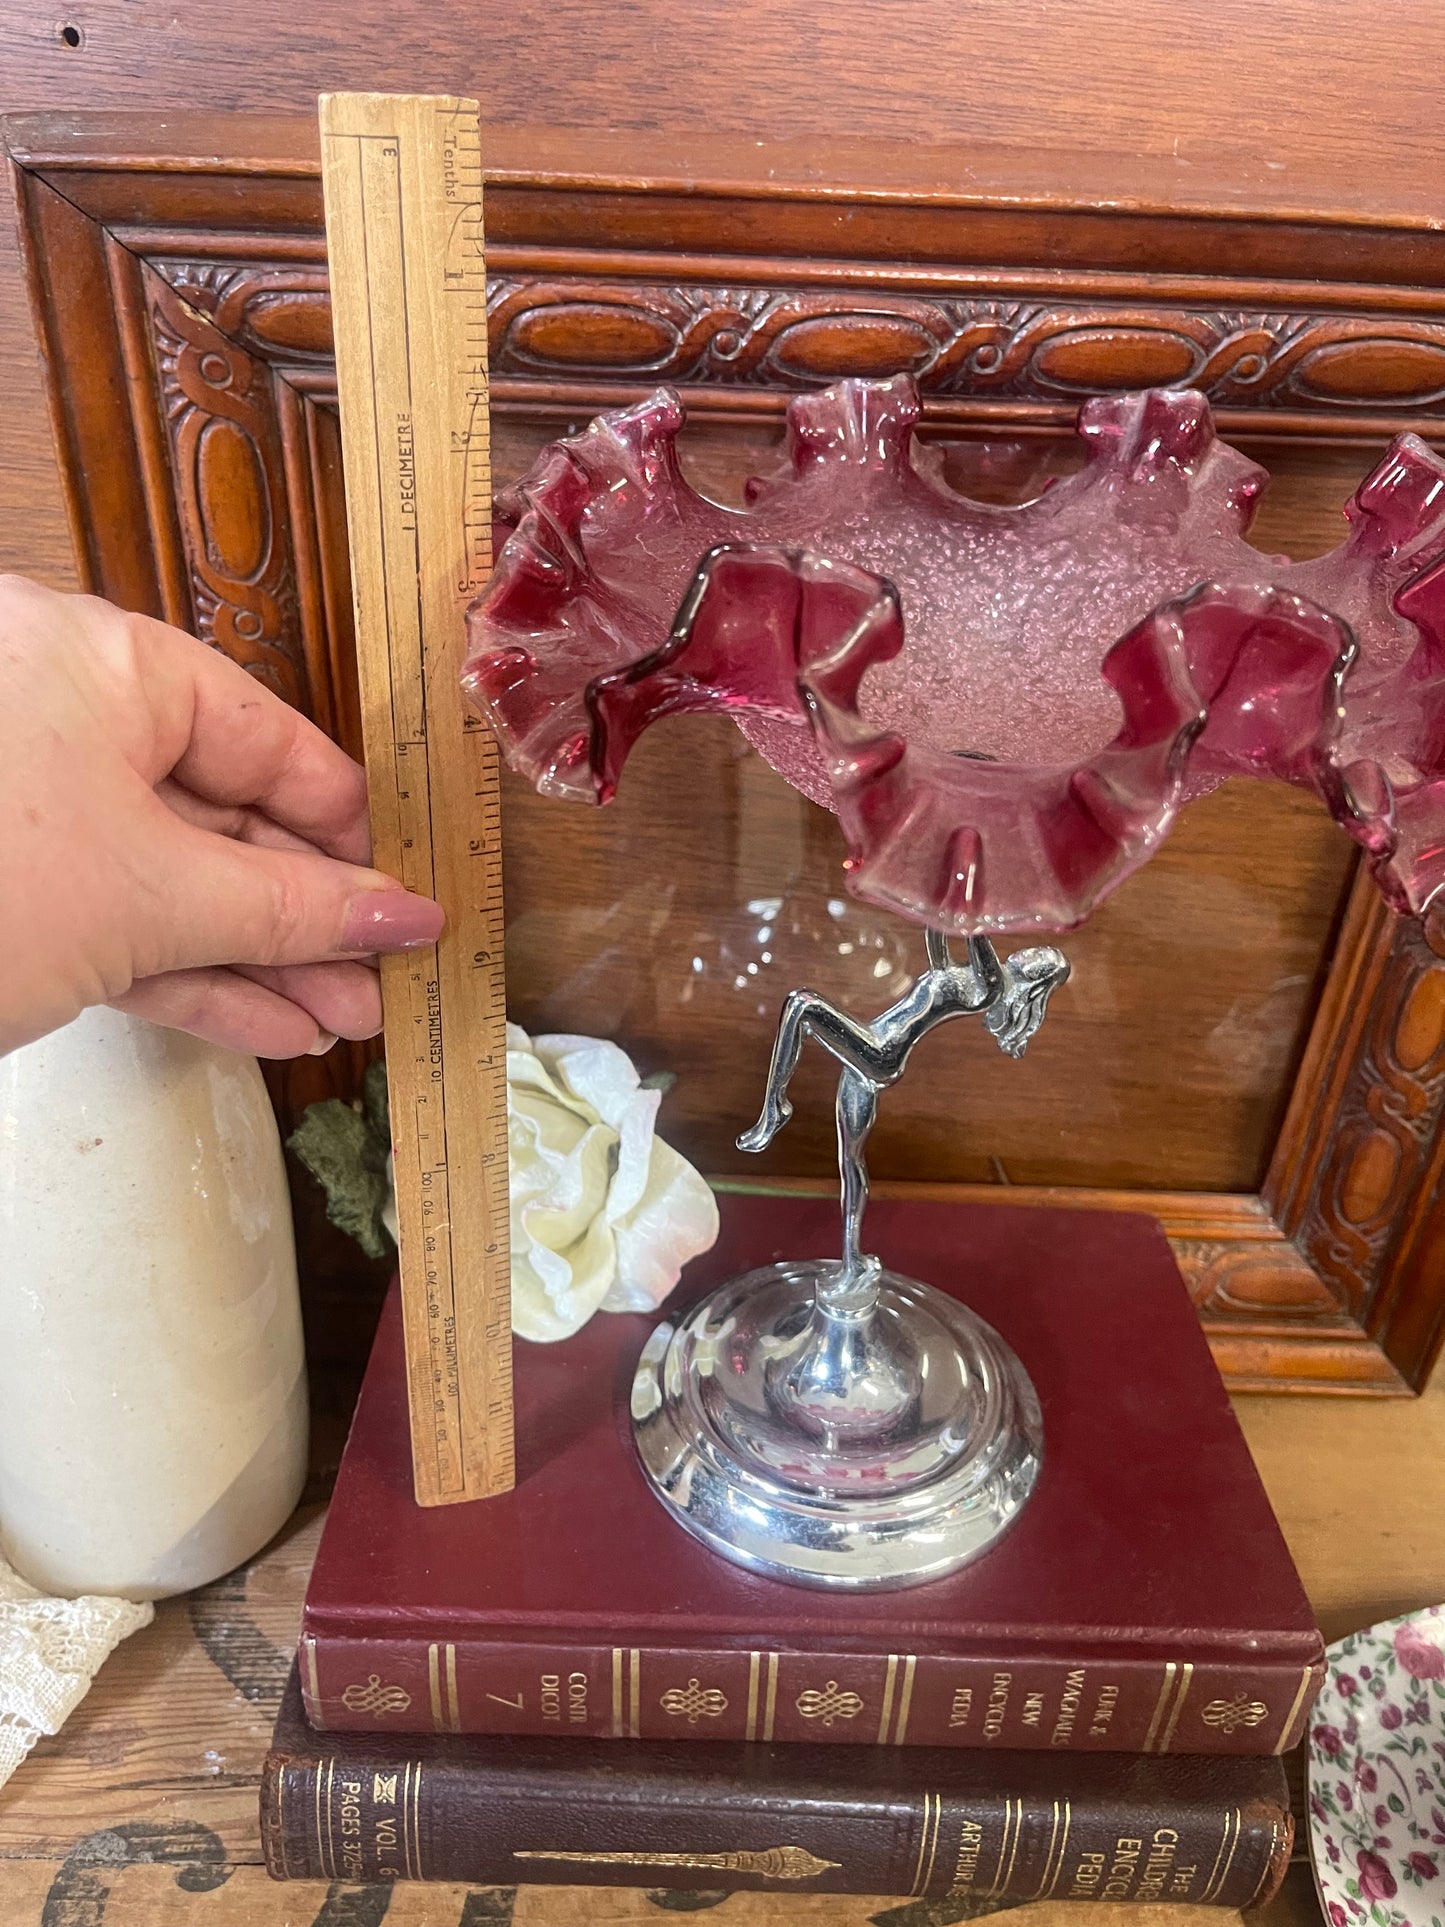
[181,304]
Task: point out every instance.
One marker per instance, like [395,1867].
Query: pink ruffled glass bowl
[1006,706]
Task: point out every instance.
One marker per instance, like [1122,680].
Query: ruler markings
[441,1284]
[393,168]
[441,1297]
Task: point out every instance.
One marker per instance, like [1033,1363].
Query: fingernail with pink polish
[391,920]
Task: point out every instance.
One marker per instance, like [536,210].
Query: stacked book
[561,1686]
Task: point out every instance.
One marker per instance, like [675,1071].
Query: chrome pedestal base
[841,1429]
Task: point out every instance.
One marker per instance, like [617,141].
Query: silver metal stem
[832,1422]
[857,1108]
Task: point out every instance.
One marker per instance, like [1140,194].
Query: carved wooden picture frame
[179,283]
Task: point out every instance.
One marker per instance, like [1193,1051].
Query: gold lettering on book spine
[773,1863]
[396,1837]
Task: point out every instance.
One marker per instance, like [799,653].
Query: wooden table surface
[142,1813]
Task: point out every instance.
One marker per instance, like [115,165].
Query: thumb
[218,901]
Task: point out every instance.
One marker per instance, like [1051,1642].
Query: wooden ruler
[403,181]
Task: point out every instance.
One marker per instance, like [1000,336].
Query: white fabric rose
[604,1214]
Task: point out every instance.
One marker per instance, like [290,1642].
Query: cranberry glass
[1006,706]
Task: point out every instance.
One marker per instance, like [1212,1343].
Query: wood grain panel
[998,360]
[957,346]
[89,402]
[228,482]
[1005,344]
[36,535]
[1199,79]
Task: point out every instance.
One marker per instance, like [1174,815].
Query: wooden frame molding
[179,285]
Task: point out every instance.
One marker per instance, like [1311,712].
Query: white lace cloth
[50,1651]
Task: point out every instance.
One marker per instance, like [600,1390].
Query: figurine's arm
[969,986]
[1030,978]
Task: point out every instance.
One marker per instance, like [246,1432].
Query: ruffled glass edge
[1234,677]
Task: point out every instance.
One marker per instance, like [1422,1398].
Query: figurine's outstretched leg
[857,1108]
[805,1014]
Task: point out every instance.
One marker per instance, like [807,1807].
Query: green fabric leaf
[342,1150]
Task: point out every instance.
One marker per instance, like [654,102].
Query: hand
[178,842]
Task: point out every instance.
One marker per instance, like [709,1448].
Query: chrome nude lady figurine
[1013,996]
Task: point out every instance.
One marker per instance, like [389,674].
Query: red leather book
[982,1829]
[1144,1602]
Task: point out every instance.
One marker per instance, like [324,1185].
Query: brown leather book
[1145,1601]
[785,1819]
